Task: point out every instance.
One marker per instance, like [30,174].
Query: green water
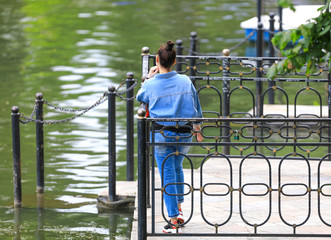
[71,51]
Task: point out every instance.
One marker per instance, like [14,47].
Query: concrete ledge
[280,109]
[125,192]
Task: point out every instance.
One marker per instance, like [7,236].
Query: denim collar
[166,75]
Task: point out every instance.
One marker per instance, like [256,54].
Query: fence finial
[141,113]
[15,109]
[145,51]
[226,52]
[111,88]
[39,96]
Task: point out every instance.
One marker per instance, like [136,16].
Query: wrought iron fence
[249,134]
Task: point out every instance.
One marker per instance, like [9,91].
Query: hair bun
[170,45]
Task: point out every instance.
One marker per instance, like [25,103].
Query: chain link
[119,94]
[24,119]
[30,119]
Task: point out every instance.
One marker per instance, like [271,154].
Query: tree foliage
[305,47]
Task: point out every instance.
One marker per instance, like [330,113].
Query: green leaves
[306,46]
[286,4]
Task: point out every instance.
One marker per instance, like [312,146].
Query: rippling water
[72,51]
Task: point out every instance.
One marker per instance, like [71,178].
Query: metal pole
[179,50]
[280,12]
[15,117]
[329,109]
[259,53]
[145,61]
[129,129]
[271,94]
[112,144]
[40,143]
[142,165]
[259,10]
[193,49]
[226,103]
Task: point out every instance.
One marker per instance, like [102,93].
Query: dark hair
[167,54]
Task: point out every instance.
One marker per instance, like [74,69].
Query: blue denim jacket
[170,95]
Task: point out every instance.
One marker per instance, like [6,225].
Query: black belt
[187,128]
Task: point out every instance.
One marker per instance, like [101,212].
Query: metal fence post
[193,50]
[179,51]
[280,13]
[15,117]
[226,103]
[259,53]
[129,129]
[142,165]
[329,110]
[40,143]
[112,144]
[271,94]
[145,61]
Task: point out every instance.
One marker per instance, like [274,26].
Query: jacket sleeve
[142,95]
[197,103]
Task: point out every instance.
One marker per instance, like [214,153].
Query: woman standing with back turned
[171,95]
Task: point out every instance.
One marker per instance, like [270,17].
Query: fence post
[226,104]
[40,143]
[271,94]
[259,53]
[15,118]
[129,129]
[280,13]
[142,165]
[193,49]
[179,50]
[329,110]
[111,144]
[145,61]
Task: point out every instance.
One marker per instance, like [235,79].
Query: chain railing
[37,117]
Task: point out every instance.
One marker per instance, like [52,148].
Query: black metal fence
[252,133]
[37,117]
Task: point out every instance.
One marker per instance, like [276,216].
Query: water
[71,51]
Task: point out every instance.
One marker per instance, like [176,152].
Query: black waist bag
[187,128]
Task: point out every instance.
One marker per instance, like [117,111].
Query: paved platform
[254,209]
[281,109]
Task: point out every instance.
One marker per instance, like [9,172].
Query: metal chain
[243,41]
[24,119]
[28,119]
[64,109]
[119,94]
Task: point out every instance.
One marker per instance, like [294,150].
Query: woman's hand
[197,129]
[154,70]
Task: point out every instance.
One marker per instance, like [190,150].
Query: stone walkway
[255,210]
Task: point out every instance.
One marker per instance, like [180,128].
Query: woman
[171,95]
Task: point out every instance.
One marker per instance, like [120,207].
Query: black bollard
[129,129]
[40,143]
[142,165]
[111,144]
[259,53]
[226,104]
[179,51]
[271,94]
[15,117]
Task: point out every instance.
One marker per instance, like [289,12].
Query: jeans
[172,170]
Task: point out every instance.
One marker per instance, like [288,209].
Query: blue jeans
[171,168]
